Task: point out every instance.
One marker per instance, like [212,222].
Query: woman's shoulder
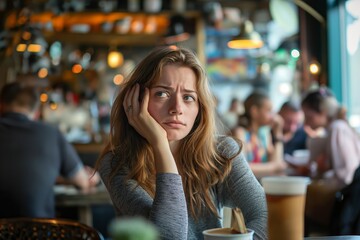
[340,125]
[108,156]
[226,140]
[228,145]
[105,160]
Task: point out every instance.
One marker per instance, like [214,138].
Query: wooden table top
[70,196]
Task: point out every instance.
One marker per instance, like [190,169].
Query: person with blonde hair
[165,161]
[339,154]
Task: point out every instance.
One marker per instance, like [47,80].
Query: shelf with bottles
[114,28]
[111,39]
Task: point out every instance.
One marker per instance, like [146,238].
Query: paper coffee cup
[285,197]
[285,185]
[226,234]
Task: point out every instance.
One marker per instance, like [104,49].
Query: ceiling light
[115,59]
[247,38]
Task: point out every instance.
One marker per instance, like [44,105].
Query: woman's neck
[174,148]
[254,127]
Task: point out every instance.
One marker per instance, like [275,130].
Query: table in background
[69,196]
[89,153]
[334,238]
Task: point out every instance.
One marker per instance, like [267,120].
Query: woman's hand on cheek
[140,118]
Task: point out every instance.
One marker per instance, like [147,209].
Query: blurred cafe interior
[78,52]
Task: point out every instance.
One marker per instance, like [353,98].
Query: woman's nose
[176,106]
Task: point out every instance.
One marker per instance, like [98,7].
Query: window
[352,55]
[344,55]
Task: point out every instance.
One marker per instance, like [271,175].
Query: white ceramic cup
[178,5]
[133,5]
[225,234]
[152,6]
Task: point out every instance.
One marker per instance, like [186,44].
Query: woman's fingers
[127,103]
[135,99]
[145,101]
[130,104]
[139,117]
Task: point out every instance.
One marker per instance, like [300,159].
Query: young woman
[338,155]
[264,154]
[164,160]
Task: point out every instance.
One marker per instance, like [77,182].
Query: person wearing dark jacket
[33,155]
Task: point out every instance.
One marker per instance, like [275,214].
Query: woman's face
[174,101]
[314,119]
[263,115]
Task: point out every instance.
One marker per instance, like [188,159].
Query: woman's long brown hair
[198,161]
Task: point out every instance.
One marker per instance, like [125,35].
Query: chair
[46,229]
[345,219]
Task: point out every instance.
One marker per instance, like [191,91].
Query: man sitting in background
[32,157]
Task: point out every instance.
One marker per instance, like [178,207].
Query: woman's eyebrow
[172,89]
[162,86]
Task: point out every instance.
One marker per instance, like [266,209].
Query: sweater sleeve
[241,189]
[345,150]
[168,210]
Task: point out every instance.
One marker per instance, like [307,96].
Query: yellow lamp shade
[247,39]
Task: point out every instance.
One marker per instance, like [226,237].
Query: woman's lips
[175,124]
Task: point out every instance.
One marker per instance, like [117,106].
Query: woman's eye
[161,94]
[189,98]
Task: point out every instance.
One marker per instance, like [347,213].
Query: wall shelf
[104,38]
[60,27]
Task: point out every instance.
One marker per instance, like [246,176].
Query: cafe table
[69,196]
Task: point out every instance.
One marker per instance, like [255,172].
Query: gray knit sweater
[168,209]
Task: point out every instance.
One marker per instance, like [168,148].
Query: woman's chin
[175,137]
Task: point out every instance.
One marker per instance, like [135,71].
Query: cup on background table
[285,197]
[152,6]
[227,234]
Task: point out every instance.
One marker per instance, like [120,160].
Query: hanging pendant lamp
[247,38]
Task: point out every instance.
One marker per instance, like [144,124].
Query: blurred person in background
[231,117]
[334,155]
[294,135]
[338,151]
[263,151]
[34,156]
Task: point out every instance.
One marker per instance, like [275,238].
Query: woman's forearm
[164,159]
[277,152]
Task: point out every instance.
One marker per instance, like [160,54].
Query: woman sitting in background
[264,154]
[339,156]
